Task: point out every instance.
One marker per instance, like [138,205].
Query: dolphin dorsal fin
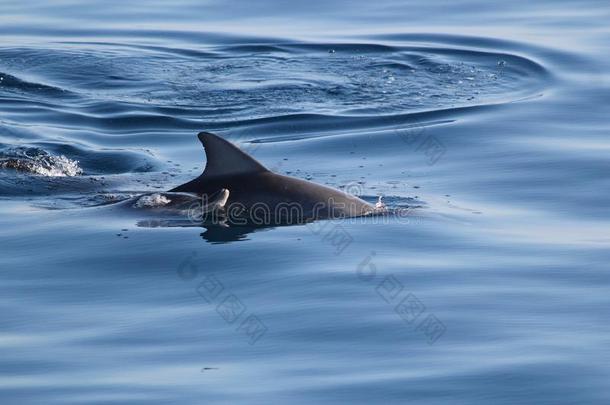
[224,158]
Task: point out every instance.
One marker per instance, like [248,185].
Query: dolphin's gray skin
[244,188]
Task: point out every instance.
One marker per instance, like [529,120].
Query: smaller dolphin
[248,193]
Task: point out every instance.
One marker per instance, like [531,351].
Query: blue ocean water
[487,121]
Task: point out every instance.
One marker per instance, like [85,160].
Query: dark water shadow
[225,234]
[214,233]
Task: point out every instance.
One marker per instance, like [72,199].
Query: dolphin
[244,190]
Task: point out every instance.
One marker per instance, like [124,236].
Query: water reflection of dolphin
[245,190]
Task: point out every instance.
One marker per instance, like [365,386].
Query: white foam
[152,200]
[37,161]
[380,205]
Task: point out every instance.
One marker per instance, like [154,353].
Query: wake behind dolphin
[237,186]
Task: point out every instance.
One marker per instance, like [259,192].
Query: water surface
[487,122]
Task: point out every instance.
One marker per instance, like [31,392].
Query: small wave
[13,84]
[130,88]
[38,161]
